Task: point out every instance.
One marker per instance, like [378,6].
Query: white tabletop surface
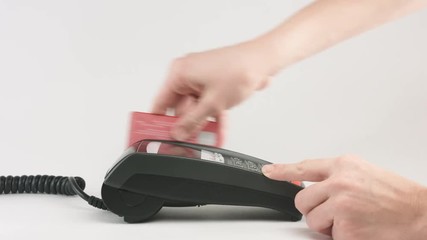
[72,71]
[49,217]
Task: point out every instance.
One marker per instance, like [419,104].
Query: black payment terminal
[152,174]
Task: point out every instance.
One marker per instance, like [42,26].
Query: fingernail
[180,134]
[267,169]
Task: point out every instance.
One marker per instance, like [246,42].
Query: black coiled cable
[68,186]
[38,184]
[92,200]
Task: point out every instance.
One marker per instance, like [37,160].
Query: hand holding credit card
[154,126]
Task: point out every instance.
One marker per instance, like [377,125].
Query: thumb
[307,170]
[194,120]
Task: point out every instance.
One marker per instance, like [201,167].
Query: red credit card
[155,126]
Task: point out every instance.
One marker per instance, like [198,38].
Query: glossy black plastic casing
[141,183]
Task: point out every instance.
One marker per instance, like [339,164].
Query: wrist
[281,49]
[264,55]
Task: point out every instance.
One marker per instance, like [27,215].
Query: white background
[72,71]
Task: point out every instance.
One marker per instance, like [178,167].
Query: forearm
[421,223]
[325,23]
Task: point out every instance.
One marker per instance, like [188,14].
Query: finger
[167,98]
[174,89]
[185,105]
[321,218]
[307,170]
[194,120]
[221,119]
[311,197]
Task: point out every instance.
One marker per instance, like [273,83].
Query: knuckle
[179,66]
[349,163]
[300,168]
[340,184]
[346,160]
